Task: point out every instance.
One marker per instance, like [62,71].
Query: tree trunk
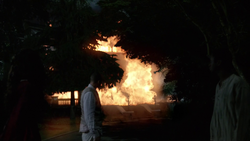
[79,98]
[72,106]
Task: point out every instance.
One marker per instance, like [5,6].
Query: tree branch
[228,34]
[218,13]
[197,25]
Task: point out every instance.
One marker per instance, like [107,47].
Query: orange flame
[109,45]
[136,88]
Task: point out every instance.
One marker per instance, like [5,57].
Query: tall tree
[68,56]
[64,31]
[224,25]
[158,32]
[179,34]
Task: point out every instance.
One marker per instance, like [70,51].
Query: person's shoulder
[88,95]
[236,78]
[239,81]
[88,89]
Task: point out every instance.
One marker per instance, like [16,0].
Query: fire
[66,95]
[64,98]
[109,45]
[136,89]
[136,84]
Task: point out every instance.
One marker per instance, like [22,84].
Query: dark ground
[189,123]
[141,131]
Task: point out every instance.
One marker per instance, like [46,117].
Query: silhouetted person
[24,97]
[231,114]
[92,114]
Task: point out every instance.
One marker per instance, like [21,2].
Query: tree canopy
[179,34]
[61,31]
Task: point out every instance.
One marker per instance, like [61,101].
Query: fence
[56,101]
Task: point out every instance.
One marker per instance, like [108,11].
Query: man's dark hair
[223,55]
[95,77]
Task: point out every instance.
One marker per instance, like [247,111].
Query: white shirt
[231,115]
[88,110]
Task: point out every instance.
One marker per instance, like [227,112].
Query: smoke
[158,81]
[121,60]
[123,64]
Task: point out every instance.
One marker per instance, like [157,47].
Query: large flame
[136,88]
[136,85]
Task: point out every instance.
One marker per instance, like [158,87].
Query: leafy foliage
[61,30]
[157,32]
[180,34]
[74,60]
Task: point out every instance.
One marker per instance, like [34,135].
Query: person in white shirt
[231,115]
[92,114]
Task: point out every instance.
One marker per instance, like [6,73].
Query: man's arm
[89,112]
[212,130]
[242,112]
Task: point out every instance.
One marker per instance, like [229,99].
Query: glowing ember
[50,68]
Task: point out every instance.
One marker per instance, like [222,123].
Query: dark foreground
[188,124]
[150,129]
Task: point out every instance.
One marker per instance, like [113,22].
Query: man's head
[220,59]
[96,80]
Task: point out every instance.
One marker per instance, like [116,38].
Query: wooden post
[79,97]
[72,106]
[128,100]
[155,99]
